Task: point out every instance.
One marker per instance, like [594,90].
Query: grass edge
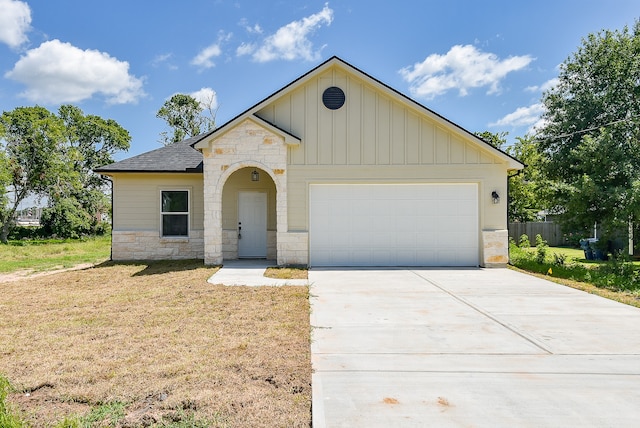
[620,297]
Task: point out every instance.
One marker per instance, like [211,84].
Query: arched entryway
[249,217]
[252,145]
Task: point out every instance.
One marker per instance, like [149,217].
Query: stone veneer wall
[147,245]
[230,244]
[495,245]
[293,248]
[272,253]
[246,145]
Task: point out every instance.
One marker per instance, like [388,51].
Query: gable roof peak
[337,61]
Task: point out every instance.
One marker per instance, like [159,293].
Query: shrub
[524,241]
[617,274]
[19,233]
[516,254]
[66,219]
[559,259]
[102,229]
[541,249]
[573,239]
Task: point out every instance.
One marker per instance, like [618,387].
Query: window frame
[175,213]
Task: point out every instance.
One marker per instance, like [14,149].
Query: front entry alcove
[249,215]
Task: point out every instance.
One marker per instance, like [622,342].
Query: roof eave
[197,170]
[288,137]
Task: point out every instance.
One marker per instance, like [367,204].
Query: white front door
[252,224]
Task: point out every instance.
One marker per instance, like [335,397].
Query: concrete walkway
[469,348]
[249,272]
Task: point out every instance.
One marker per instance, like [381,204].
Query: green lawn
[53,254]
[577,255]
[615,279]
[574,253]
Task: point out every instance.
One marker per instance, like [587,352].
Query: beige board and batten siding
[378,137]
[137,219]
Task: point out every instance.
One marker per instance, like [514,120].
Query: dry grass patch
[159,341]
[286,272]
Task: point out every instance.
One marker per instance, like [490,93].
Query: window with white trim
[175,213]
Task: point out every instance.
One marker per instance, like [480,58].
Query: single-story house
[334,169]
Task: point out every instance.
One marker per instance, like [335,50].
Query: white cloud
[204,58]
[290,42]
[206,55]
[164,59]
[523,116]
[256,29]
[245,49]
[206,97]
[15,22]
[549,84]
[462,68]
[57,72]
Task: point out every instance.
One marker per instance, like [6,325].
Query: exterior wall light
[495,198]
[255,176]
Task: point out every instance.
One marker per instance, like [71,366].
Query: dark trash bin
[588,254]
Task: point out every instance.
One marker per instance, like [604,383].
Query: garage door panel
[380,223]
[362,228]
[382,237]
[407,256]
[393,225]
[422,206]
[381,256]
[407,229]
[447,258]
[448,208]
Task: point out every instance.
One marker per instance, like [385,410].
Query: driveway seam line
[485,313]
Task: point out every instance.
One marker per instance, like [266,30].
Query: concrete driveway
[469,348]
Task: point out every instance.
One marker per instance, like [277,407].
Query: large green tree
[528,187]
[186,117]
[53,156]
[496,139]
[77,202]
[591,137]
[31,139]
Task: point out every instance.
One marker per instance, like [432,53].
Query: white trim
[187,213]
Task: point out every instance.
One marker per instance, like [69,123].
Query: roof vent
[333,98]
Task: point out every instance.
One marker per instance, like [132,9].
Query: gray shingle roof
[176,157]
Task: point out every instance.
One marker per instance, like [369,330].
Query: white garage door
[393,224]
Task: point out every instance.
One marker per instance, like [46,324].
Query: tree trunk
[4,233]
[7,221]
[630,236]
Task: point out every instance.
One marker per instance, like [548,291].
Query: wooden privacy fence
[549,231]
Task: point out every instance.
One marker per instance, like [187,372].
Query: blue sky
[482,65]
